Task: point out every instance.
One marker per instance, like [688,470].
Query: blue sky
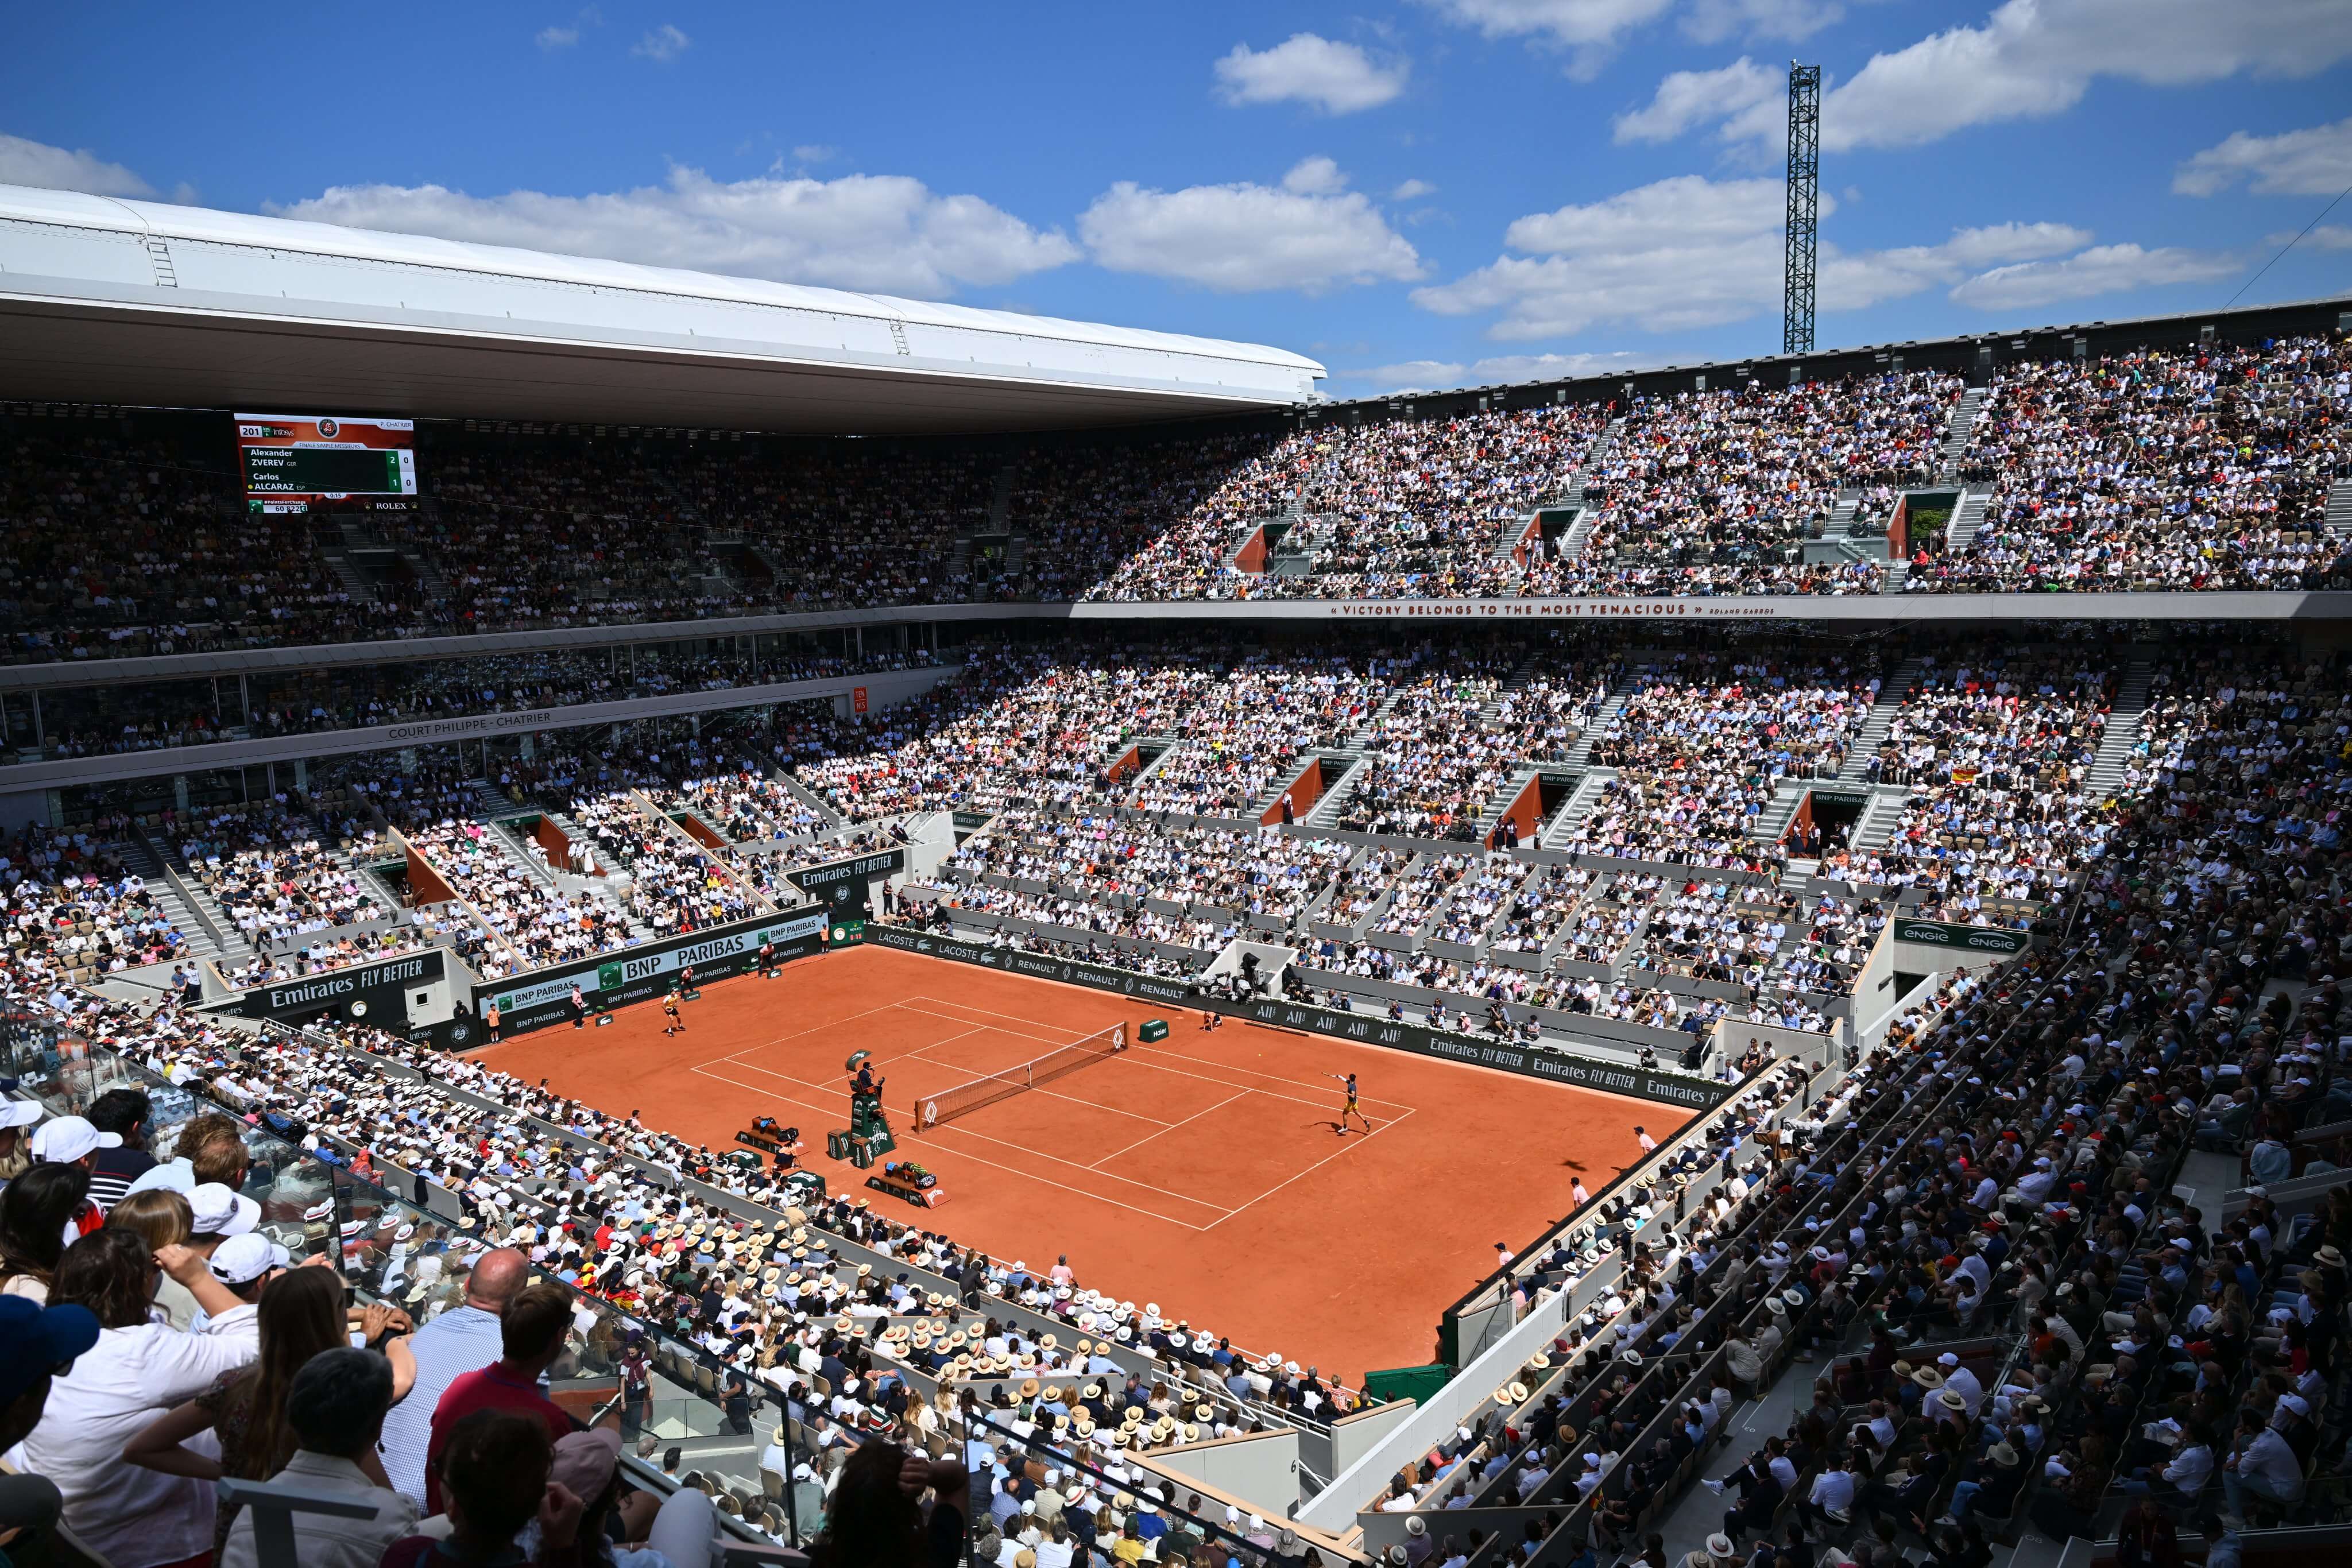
[1419,193]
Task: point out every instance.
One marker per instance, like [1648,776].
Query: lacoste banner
[615,979]
[1691,1092]
[1962,938]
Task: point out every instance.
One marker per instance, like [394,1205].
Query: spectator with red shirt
[531,1332]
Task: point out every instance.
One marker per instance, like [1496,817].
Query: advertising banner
[841,885]
[1691,1093]
[636,974]
[1962,938]
[371,993]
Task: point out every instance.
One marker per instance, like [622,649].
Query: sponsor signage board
[615,979]
[1690,1092]
[373,993]
[1962,938]
[840,886]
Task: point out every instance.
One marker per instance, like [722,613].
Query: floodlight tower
[1804,208]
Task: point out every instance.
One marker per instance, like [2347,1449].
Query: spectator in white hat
[133,1517]
[70,1141]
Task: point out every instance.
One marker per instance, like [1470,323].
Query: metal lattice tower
[1804,208]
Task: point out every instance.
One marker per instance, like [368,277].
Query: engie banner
[1690,1092]
[614,979]
[1967,938]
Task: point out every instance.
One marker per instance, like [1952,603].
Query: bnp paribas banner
[614,979]
[1681,1089]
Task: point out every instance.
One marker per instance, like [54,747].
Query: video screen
[327,462]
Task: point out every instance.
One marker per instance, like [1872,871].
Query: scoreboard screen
[323,462]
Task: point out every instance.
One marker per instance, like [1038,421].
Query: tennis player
[1351,1108]
[677,1024]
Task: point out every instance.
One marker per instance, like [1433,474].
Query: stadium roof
[106,300]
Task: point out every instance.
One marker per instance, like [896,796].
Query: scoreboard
[314,461]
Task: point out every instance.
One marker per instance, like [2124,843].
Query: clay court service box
[1152,1029]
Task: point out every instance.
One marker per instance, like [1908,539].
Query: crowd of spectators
[1714,492]
[1699,746]
[2167,470]
[73,908]
[1997,754]
[533,922]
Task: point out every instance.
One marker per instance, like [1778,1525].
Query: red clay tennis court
[1204,1172]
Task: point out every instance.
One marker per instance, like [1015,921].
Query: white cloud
[1710,21]
[2031,59]
[1411,375]
[38,165]
[815,152]
[1689,252]
[1316,176]
[2105,269]
[1688,99]
[1338,78]
[2326,237]
[1501,370]
[558,37]
[1310,233]
[1412,190]
[2314,162]
[1589,27]
[663,44]
[1688,209]
[887,232]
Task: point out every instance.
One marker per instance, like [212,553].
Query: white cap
[21,1112]
[63,1141]
[241,1260]
[219,1210]
[172,1175]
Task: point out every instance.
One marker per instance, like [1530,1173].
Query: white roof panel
[147,293]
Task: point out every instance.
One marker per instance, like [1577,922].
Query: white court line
[1165,1051]
[796,1034]
[1318,1166]
[1014,1170]
[1009,1170]
[1049,1093]
[1322,1105]
[1238,1094]
[736,1060]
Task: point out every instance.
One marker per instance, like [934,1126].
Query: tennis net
[933,1110]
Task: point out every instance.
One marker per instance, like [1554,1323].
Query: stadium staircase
[999,500]
[335,551]
[1897,573]
[1579,805]
[2339,508]
[811,800]
[1580,532]
[1629,681]
[1891,693]
[209,932]
[1773,820]
[2122,733]
[495,801]
[1967,518]
[1325,812]
[1841,518]
[1955,434]
[1876,823]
